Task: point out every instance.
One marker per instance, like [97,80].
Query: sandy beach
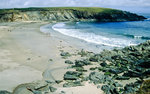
[29,55]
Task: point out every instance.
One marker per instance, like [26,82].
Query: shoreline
[29,47]
[50,62]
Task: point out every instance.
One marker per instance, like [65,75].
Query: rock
[83,53]
[68,62]
[107,73]
[147,72]
[63,92]
[98,86]
[104,64]
[93,68]
[95,58]
[132,87]
[72,75]
[115,71]
[80,69]
[144,63]
[80,63]
[122,78]
[52,89]
[132,74]
[110,89]
[5,92]
[65,54]
[106,89]
[128,90]
[40,85]
[72,84]
[58,81]
[116,84]
[97,77]
[25,89]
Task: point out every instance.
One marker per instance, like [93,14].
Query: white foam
[91,37]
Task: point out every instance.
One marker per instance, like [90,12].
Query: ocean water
[113,34]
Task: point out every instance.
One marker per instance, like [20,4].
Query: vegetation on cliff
[67,14]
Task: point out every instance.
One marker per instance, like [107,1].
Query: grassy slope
[88,9]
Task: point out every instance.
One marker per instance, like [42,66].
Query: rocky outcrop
[67,14]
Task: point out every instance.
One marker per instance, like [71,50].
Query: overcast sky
[132,5]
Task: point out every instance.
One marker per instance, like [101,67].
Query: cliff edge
[67,14]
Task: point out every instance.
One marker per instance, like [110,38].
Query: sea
[113,34]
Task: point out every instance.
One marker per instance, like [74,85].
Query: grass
[81,9]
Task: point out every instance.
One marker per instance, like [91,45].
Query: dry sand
[25,55]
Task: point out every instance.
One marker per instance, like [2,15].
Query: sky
[129,5]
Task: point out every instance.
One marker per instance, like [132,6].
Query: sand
[25,54]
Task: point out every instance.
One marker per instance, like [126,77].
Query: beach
[29,55]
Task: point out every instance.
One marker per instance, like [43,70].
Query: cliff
[67,14]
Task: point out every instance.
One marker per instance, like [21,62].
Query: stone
[116,84]
[106,89]
[80,69]
[97,77]
[72,75]
[93,68]
[95,58]
[72,84]
[104,64]
[80,63]
[132,74]
[147,72]
[144,63]
[58,81]
[68,62]
[52,89]
[40,85]
[122,78]
[98,86]
[5,92]
[83,53]
[115,71]
[63,92]
[65,54]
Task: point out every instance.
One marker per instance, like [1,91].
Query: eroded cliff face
[69,15]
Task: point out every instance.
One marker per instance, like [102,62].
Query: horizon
[136,6]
